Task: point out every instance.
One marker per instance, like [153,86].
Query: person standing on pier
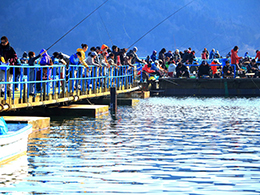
[82,50]
[257,57]
[234,57]
[32,73]
[135,58]
[10,57]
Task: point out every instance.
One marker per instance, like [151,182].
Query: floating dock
[246,87]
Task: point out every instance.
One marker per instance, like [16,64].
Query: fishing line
[187,41]
[161,23]
[209,42]
[76,25]
[105,28]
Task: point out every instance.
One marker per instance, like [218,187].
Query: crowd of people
[97,56]
[164,64]
[209,65]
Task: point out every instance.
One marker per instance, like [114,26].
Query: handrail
[24,84]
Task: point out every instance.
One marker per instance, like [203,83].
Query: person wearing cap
[204,70]
[212,54]
[24,58]
[135,58]
[176,55]
[215,68]
[228,71]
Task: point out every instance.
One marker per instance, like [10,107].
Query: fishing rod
[209,42]
[105,28]
[226,48]
[161,23]
[76,25]
[187,41]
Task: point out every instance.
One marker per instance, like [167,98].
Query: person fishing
[204,70]
[182,71]
[82,57]
[235,58]
[135,56]
[9,55]
[31,75]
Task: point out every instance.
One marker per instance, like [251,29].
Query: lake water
[160,146]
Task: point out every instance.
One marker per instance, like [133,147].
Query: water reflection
[162,145]
[14,172]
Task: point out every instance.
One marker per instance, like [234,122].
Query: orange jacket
[213,68]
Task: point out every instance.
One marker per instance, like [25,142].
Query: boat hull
[14,144]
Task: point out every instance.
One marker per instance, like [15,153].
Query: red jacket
[204,56]
[234,57]
[147,69]
[258,55]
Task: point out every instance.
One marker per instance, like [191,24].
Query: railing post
[113,102]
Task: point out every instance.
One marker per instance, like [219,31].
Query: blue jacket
[154,67]
[74,60]
[153,57]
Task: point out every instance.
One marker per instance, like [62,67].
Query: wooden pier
[62,86]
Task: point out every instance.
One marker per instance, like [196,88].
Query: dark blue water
[161,146]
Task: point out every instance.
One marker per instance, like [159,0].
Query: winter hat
[104,47]
[25,54]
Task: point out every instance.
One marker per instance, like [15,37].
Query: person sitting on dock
[204,70]
[254,68]
[228,71]
[182,71]
[171,69]
[215,68]
[146,71]
[212,54]
[176,55]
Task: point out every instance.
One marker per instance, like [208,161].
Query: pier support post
[113,102]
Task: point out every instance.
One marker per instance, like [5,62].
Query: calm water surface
[161,146]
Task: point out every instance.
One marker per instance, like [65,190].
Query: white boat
[14,144]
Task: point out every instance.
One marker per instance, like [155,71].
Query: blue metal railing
[61,79]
